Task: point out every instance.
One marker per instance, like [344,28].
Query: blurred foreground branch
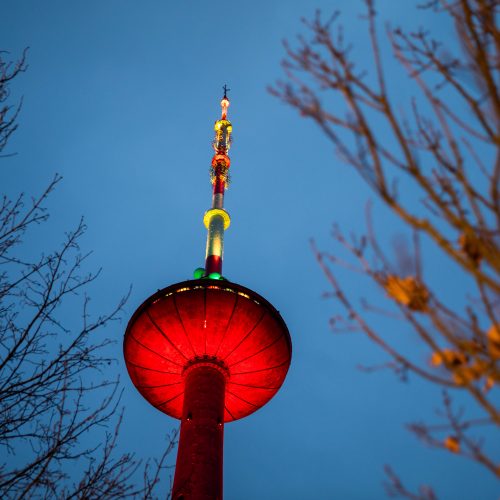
[435,163]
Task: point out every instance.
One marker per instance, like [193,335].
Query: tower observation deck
[207,351]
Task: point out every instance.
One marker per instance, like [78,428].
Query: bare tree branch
[57,441]
[444,146]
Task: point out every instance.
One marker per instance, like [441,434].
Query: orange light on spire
[224,105]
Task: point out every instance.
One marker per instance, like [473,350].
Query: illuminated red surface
[213,264]
[198,469]
[220,185]
[213,320]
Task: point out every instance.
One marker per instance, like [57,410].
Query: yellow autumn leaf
[470,246]
[494,341]
[464,375]
[490,382]
[480,367]
[436,359]
[452,444]
[470,346]
[407,291]
[453,358]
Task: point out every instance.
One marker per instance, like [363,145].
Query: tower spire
[216,219]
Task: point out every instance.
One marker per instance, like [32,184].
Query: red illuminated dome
[211,323]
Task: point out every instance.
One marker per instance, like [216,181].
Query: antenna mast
[216,219]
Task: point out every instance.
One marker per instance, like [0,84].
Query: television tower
[207,351]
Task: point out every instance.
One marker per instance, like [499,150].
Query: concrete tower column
[198,472]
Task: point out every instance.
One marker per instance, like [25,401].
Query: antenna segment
[216,219]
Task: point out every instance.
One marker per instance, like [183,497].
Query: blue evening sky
[120,98]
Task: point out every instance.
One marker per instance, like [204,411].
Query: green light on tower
[198,273]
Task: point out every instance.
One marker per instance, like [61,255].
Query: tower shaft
[198,472]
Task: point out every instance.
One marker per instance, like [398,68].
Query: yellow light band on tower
[216,211]
[215,237]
